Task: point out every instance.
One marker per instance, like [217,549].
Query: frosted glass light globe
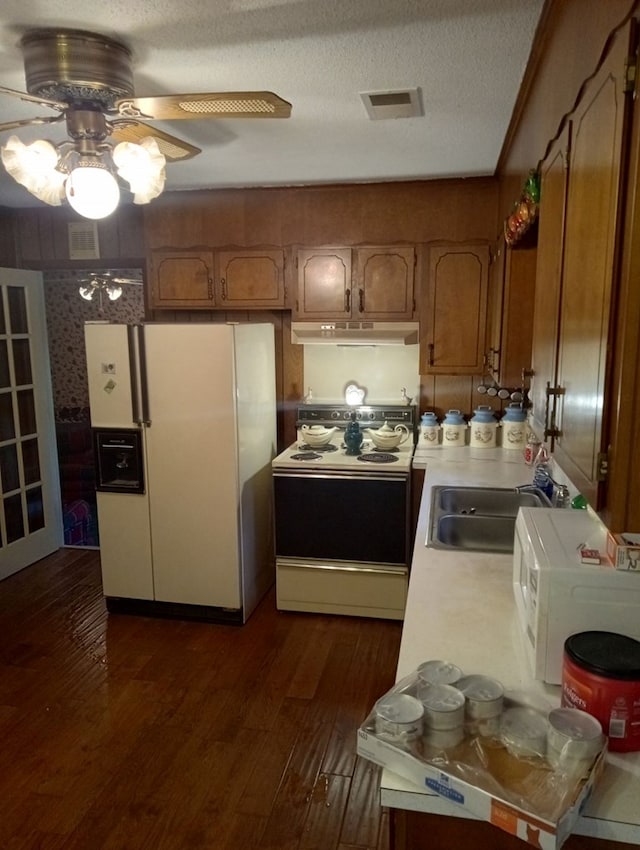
[92,190]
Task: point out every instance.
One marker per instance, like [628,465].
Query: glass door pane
[30,513]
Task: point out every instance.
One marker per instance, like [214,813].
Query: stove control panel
[367,414]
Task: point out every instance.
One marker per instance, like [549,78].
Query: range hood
[343,332]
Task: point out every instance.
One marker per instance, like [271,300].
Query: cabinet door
[590,249]
[182,279]
[324,283]
[384,283]
[250,279]
[546,314]
[456,310]
[516,329]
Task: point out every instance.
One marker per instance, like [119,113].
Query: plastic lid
[484,414]
[606,654]
[515,413]
[429,418]
[454,417]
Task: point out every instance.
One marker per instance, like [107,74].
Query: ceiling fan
[106,282]
[87,78]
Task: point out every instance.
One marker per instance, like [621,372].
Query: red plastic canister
[601,675]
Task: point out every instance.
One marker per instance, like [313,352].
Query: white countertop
[461,609]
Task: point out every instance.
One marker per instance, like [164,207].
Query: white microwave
[557,595]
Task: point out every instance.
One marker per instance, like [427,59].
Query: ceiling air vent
[392,104]
[83,240]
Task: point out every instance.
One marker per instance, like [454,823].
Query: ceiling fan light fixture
[87,292]
[113,291]
[143,167]
[91,189]
[34,166]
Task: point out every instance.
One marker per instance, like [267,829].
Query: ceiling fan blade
[243,104]
[43,101]
[12,125]
[173,148]
[97,278]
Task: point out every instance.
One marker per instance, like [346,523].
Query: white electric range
[342,521]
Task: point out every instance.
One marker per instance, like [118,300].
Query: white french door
[30,509]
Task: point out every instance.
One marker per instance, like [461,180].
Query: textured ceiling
[467,58]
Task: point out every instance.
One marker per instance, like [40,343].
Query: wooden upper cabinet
[591,243]
[370,282]
[182,279]
[226,279]
[546,314]
[250,279]
[384,279]
[324,283]
[513,275]
[455,312]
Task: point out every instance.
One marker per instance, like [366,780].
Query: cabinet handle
[210,288]
[361,299]
[546,410]
[553,411]
[223,284]
[430,355]
[348,301]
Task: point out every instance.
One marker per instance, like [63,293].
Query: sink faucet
[557,493]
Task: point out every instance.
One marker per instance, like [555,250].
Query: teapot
[387,437]
[317,435]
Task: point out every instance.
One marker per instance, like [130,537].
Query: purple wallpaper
[66,314]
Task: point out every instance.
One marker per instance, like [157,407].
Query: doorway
[30,526]
[66,314]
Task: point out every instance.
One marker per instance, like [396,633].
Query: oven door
[337,516]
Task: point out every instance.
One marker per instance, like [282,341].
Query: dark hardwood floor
[125,733]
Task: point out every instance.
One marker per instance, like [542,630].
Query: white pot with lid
[484,428]
[429,428]
[454,429]
[514,427]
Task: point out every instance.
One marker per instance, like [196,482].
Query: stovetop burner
[328,447]
[306,455]
[378,457]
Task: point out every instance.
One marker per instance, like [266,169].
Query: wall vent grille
[83,240]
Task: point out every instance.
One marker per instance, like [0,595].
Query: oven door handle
[343,568]
[342,476]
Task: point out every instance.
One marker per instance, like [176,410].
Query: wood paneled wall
[346,214]
[7,239]
[571,38]
[43,238]
[416,212]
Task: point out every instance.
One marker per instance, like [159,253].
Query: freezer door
[110,366]
[125,545]
[192,464]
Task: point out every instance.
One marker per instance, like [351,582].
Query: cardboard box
[623,550]
[490,785]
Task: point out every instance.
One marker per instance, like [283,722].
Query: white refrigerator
[200,401]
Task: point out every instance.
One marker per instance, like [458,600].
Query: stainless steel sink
[478,519]
[488,501]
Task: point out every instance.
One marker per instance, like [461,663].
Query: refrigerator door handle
[144,384]
[133,374]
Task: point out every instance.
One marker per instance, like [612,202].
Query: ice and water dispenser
[119,460]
